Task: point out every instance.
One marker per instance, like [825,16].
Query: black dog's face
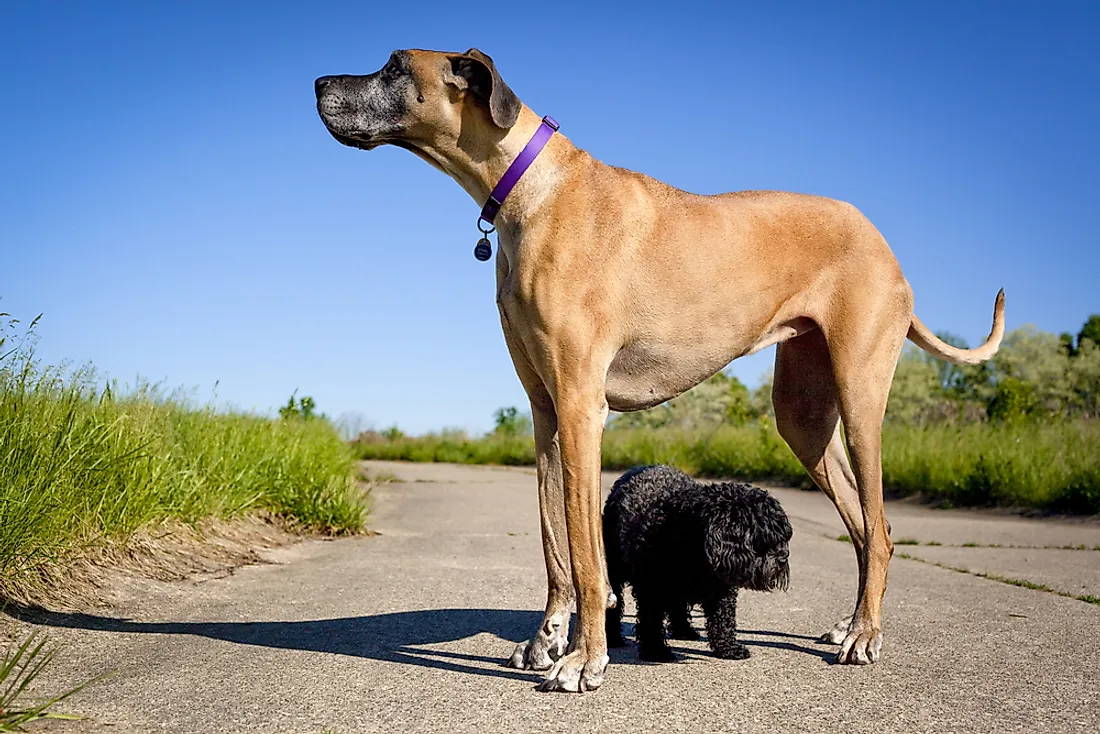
[748,544]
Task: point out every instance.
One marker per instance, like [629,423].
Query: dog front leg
[582,411]
[549,643]
[722,627]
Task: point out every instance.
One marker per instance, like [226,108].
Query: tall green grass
[451,447]
[1053,466]
[82,465]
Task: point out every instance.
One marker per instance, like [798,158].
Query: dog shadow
[629,654]
[829,656]
[395,637]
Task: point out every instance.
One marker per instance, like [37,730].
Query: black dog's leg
[722,627]
[679,623]
[650,628]
[613,621]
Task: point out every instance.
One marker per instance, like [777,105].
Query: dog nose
[321,83]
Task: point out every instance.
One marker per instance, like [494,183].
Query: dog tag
[483,250]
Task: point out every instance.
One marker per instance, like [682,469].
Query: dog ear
[727,543]
[476,72]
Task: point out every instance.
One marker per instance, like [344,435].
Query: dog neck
[477,164]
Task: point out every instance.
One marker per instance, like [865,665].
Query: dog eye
[393,68]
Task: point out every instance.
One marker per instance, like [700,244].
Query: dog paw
[836,635]
[546,647]
[576,673]
[736,651]
[862,646]
[656,653]
[538,653]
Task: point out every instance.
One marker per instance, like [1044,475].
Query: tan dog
[618,291]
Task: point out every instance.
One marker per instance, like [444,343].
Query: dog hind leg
[807,415]
[679,622]
[650,627]
[864,360]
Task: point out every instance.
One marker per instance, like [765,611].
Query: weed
[23,661]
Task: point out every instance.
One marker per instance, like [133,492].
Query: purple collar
[522,162]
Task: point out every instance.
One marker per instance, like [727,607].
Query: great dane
[619,292]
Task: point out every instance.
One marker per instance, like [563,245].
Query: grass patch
[452,447]
[82,465]
[1052,466]
[1023,583]
[906,541]
[844,538]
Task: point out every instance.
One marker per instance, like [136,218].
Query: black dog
[679,542]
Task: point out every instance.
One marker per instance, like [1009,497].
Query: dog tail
[920,335]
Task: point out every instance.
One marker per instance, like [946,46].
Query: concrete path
[407,630]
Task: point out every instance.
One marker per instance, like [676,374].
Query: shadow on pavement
[392,637]
[828,654]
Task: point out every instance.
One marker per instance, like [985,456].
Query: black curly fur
[678,542]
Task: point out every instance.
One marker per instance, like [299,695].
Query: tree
[1090,331]
[1084,380]
[510,422]
[762,396]
[720,399]
[951,377]
[393,433]
[304,409]
[1067,344]
[1037,358]
[916,388]
[1014,400]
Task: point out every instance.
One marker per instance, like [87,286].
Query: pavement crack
[1023,583]
[1006,546]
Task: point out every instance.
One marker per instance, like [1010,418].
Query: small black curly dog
[679,542]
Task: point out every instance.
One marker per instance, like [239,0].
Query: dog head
[416,99]
[747,539]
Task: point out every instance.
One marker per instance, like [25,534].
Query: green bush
[1013,400]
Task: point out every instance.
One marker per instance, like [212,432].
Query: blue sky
[172,204]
